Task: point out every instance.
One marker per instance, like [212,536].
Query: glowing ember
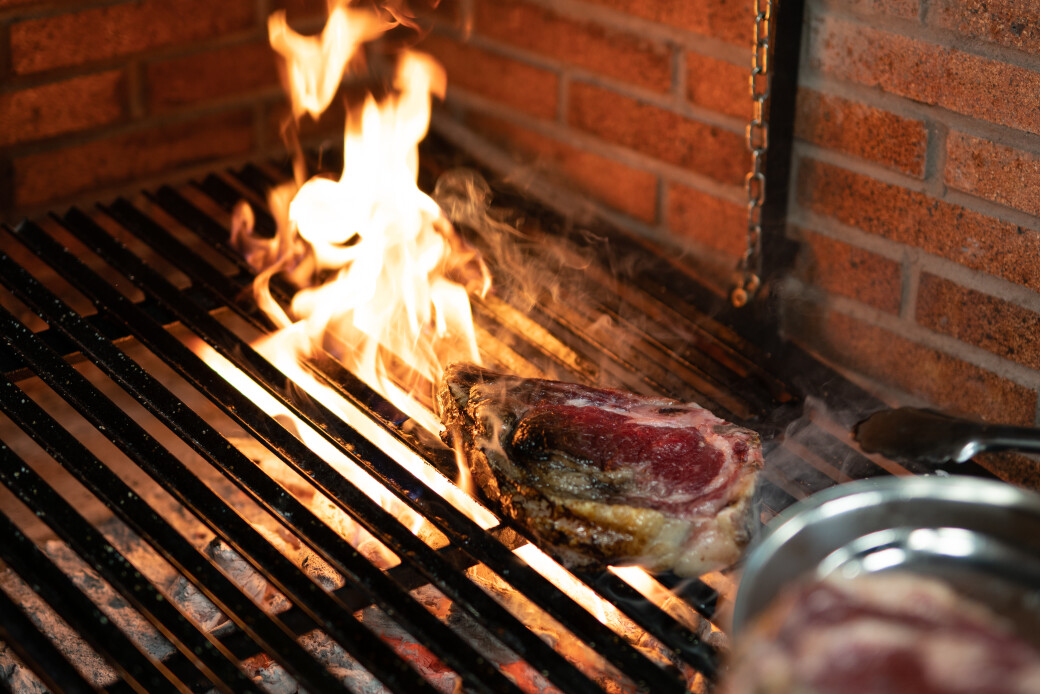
[383,278]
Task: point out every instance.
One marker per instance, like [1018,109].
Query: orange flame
[383,278]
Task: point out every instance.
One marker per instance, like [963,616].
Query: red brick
[520,86]
[730,21]
[939,378]
[622,56]
[717,224]
[862,131]
[118,30]
[979,87]
[629,190]
[943,229]
[55,175]
[1011,23]
[211,75]
[659,133]
[905,9]
[62,107]
[718,85]
[1002,174]
[848,271]
[983,320]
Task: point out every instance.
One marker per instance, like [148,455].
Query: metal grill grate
[91,360]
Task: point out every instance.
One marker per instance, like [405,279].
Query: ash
[266,672]
[270,676]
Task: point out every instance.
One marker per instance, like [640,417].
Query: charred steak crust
[601,477]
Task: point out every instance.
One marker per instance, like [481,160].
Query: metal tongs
[933,437]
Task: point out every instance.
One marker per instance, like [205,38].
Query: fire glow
[383,278]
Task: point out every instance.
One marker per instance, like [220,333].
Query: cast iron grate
[674,349]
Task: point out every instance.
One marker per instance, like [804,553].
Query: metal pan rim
[803,536]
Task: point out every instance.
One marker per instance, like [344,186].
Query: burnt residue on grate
[165,532]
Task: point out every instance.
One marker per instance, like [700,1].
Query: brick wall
[640,105]
[917,199]
[102,97]
[917,162]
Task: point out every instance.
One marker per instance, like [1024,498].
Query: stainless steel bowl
[981,536]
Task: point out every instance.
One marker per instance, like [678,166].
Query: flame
[383,278]
[652,590]
[315,65]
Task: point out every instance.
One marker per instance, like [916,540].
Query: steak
[891,633]
[599,477]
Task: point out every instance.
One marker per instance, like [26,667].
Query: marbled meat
[600,477]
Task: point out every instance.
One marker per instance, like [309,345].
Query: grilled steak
[602,477]
[896,633]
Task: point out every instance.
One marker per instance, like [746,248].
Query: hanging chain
[748,277]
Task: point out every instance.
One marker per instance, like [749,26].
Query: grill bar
[51,583]
[174,204]
[166,469]
[723,357]
[656,621]
[663,351]
[146,522]
[373,518]
[711,353]
[242,647]
[212,446]
[114,568]
[459,528]
[32,646]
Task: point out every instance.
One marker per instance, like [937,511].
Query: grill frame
[164,303]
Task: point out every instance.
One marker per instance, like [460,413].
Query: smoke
[528,275]
[811,448]
[552,276]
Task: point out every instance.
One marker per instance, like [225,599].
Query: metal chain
[748,277]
